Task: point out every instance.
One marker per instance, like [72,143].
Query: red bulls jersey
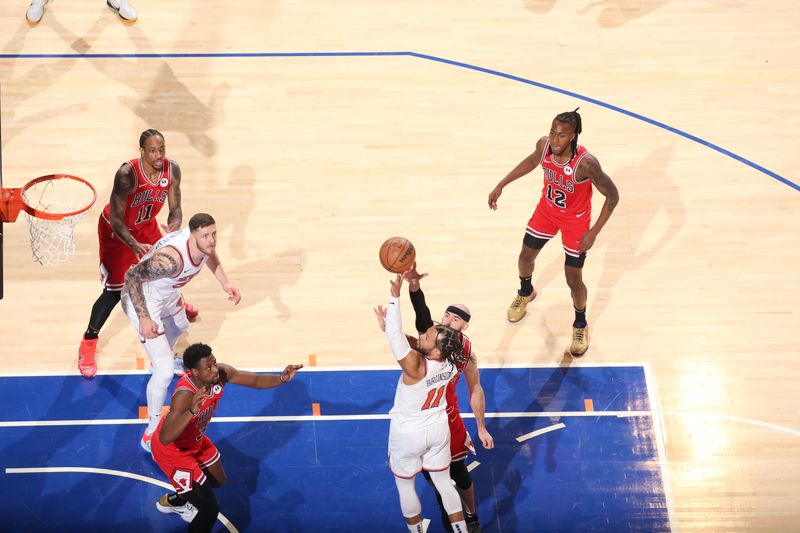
[197,427]
[461,364]
[145,200]
[561,192]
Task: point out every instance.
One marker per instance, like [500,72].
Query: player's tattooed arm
[161,265]
[601,181]
[589,168]
[175,214]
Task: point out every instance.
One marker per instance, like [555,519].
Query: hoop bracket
[11,203]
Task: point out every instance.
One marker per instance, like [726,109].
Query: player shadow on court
[28,85]
[509,482]
[250,491]
[163,100]
[651,181]
[94,499]
[539,7]
[258,280]
[617,13]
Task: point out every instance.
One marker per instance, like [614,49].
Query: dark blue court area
[589,461]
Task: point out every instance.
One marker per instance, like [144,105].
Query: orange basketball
[397,254]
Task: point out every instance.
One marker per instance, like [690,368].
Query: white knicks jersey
[164,287]
[424,403]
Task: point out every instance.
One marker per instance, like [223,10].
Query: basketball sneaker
[87,363]
[147,439]
[580,341]
[180,370]
[517,308]
[473,524]
[191,311]
[187,511]
[123,9]
[35,12]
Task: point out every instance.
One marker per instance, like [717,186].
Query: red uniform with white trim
[565,204]
[460,441]
[183,459]
[143,204]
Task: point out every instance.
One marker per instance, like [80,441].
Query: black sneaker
[473,524]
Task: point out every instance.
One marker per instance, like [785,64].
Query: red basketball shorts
[546,222]
[460,441]
[115,256]
[184,468]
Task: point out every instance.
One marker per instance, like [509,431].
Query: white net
[53,241]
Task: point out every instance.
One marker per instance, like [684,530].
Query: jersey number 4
[434,398]
[557,196]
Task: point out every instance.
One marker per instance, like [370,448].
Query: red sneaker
[191,311]
[87,363]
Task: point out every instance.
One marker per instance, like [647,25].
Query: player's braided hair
[146,134]
[573,119]
[448,341]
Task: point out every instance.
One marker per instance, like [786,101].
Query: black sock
[176,500]
[100,312]
[580,318]
[525,286]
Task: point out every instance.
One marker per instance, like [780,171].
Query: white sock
[459,527]
[416,528]
[152,424]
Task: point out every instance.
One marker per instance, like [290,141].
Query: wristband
[192,412]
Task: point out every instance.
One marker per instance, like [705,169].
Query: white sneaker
[35,12]
[145,442]
[123,9]
[179,371]
[186,511]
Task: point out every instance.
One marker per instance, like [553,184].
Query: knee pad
[111,297]
[451,501]
[575,262]
[460,474]
[536,243]
[409,501]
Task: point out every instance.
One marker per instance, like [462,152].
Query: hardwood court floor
[309,162]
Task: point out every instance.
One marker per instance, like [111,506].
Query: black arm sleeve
[423,314]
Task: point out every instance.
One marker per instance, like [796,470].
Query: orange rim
[56,216]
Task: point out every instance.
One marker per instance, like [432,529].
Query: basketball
[397,254]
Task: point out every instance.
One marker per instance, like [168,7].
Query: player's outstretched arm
[422,313]
[477,401]
[182,409]
[525,166]
[409,360]
[215,267]
[259,381]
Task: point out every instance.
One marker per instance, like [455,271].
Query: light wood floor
[308,163]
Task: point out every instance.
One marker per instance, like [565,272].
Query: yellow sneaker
[580,341]
[517,308]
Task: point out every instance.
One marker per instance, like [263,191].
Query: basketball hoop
[52,205]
